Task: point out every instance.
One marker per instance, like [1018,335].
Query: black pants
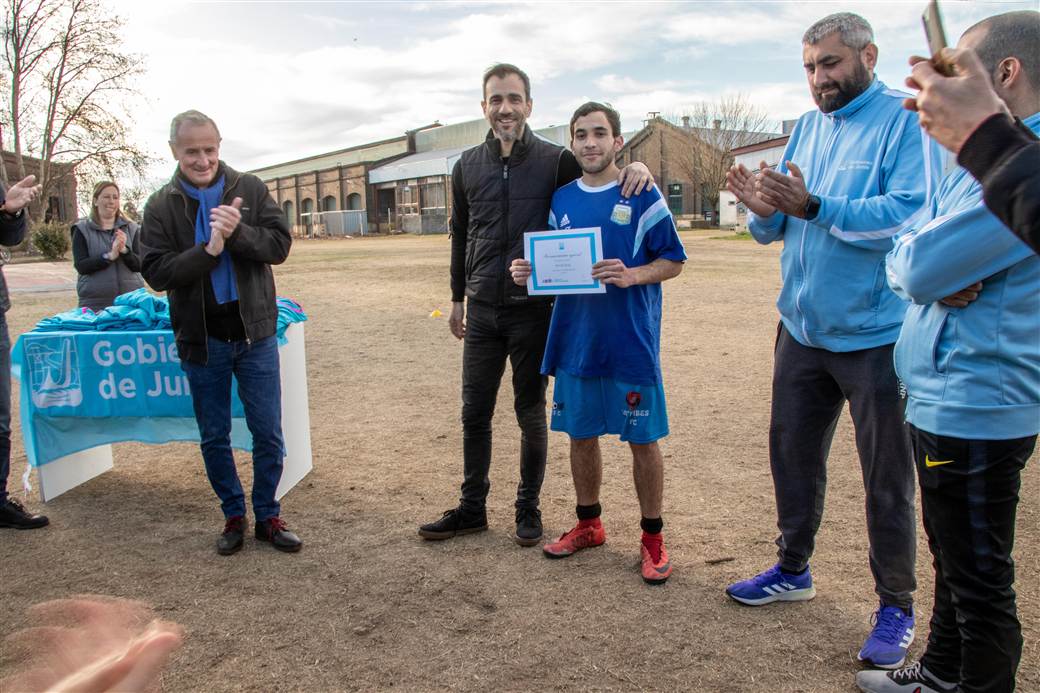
[969,494]
[810,387]
[494,334]
[5,406]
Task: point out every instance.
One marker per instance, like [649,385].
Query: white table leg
[296,418]
[58,476]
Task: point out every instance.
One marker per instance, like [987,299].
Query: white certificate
[561,261]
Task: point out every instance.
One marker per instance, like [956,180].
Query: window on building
[433,198]
[307,214]
[675,198]
[290,213]
[328,203]
[353,201]
[408,198]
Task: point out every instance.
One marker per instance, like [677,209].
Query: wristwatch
[812,208]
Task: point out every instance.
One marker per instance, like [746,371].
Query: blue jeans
[5,406]
[256,368]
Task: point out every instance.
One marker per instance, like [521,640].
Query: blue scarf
[223,276]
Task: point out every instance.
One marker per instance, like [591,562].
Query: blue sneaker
[773,586]
[887,643]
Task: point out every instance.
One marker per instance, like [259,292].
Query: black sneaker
[231,538]
[453,522]
[910,679]
[528,526]
[274,530]
[13,514]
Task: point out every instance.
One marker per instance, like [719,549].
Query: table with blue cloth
[91,379]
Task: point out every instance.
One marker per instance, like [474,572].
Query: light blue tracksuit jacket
[874,172]
[970,372]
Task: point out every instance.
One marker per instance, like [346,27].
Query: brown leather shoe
[231,538]
[274,530]
[13,514]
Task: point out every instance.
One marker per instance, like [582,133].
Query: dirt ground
[367,605]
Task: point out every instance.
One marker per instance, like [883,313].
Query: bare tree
[70,91]
[716,128]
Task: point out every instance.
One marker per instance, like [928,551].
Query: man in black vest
[12,232]
[502,189]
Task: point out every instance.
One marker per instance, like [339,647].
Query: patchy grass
[367,605]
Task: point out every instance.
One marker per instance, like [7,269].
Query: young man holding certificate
[603,348]
[500,190]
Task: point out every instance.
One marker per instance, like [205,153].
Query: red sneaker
[655,572]
[575,540]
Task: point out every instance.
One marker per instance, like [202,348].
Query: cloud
[285,84]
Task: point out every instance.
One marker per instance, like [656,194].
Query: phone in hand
[933,31]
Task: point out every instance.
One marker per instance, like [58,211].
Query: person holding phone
[972,374]
[964,114]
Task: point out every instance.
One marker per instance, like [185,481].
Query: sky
[290,79]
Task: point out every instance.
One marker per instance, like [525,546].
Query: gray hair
[194,118]
[856,32]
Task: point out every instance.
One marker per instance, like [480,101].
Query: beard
[845,91]
[597,166]
[510,135]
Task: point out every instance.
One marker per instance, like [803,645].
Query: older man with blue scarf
[209,239]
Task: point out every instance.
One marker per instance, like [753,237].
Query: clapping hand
[90,644]
[786,193]
[742,183]
[223,221]
[118,243]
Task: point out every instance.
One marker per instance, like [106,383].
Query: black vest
[506,200]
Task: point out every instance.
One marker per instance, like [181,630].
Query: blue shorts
[591,407]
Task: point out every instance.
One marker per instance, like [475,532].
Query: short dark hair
[595,107]
[1011,35]
[503,70]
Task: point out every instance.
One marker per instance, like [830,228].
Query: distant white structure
[732,213]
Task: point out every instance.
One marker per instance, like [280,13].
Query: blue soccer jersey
[617,334]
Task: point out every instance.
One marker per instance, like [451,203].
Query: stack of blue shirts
[139,311]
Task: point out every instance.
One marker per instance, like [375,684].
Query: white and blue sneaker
[773,586]
[887,643]
[911,679]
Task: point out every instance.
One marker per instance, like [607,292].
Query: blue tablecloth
[81,389]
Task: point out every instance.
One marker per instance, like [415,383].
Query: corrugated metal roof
[435,163]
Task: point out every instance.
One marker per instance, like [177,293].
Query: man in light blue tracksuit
[855,174]
[971,366]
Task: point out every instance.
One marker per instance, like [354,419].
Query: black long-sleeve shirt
[85,264]
[12,232]
[12,227]
[1004,155]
